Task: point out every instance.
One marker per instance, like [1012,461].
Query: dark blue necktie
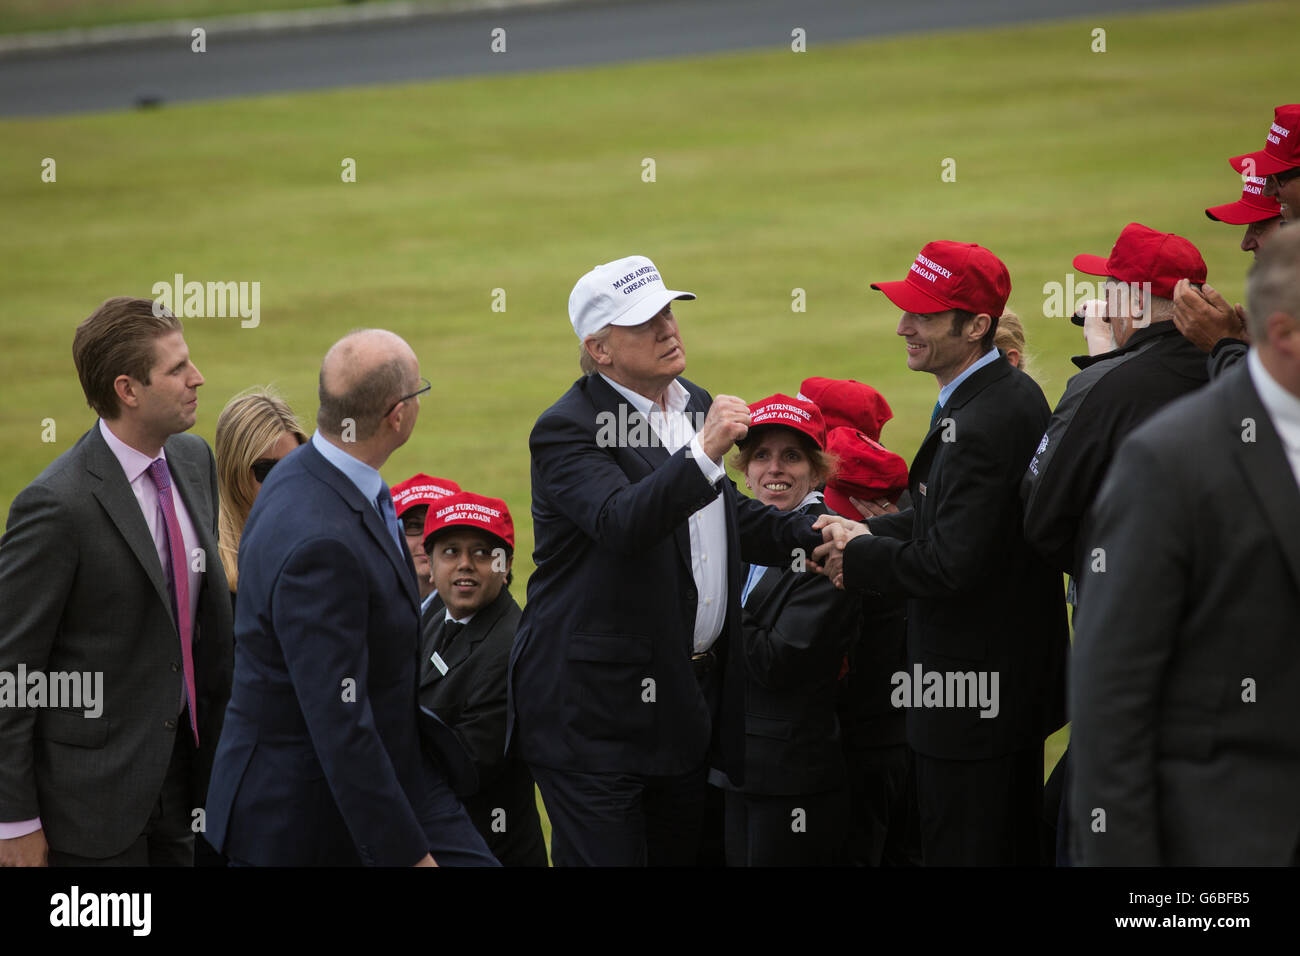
[389,513]
[934,415]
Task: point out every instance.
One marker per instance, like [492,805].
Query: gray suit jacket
[82,590]
[1185,688]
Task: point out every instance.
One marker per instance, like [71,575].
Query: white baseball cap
[623,292]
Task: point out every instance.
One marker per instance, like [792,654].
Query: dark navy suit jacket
[320,760]
[600,674]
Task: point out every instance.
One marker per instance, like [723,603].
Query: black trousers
[884,820]
[168,837]
[981,812]
[809,829]
[617,819]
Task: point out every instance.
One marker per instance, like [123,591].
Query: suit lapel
[763,588]
[114,494]
[477,629]
[918,474]
[605,399]
[1265,465]
[401,564]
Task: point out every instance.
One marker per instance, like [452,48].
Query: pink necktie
[178,578]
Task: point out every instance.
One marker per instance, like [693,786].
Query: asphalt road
[116,77]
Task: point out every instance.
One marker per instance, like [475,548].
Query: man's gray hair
[1274,282]
[585,361]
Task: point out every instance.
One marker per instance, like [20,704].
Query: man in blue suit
[320,761]
[622,666]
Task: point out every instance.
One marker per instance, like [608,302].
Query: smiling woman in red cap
[792,809]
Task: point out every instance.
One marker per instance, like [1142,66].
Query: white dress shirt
[1282,407]
[708,526]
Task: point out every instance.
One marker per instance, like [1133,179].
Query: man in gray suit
[1186,683]
[110,578]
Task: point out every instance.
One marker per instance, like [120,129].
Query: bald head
[361,377]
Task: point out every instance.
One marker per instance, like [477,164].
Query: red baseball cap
[1281,147]
[1141,254]
[867,470]
[952,275]
[842,401]
[799,414]
[1253,206]
[421,489]
[465,509]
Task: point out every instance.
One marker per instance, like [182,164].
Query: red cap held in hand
[867,470]
[844,402]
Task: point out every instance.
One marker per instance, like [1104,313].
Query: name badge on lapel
[439,663]
[920,486]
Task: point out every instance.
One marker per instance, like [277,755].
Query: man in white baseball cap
[622,689]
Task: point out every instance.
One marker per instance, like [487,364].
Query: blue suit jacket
[320,761]
[612,602]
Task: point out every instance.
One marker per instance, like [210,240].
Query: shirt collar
[945,393]
[1281,405]
[424,605]
[134,462]
[367,479]
[459,620]
[676,396]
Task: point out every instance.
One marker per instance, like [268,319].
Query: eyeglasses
[406,398]
[414,527]
[262,467]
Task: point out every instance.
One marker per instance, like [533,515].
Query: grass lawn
[774,171]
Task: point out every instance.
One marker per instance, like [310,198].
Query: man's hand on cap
[875,507]
[726,423]
[1204,317]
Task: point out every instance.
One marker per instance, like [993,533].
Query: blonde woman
[1010,338]
[254,431]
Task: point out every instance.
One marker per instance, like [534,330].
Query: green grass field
[774,171]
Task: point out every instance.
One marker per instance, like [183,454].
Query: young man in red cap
[1204,316]
[983,609]
[411,500]
[470,544]
[1185,684]
[1115,391]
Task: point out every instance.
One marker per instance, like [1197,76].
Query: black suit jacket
[797,629]
[83,590]
[1185,689]
[601,678]
[320,760]
[471,699]
[979,599]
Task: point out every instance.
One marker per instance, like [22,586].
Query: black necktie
[449,632]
